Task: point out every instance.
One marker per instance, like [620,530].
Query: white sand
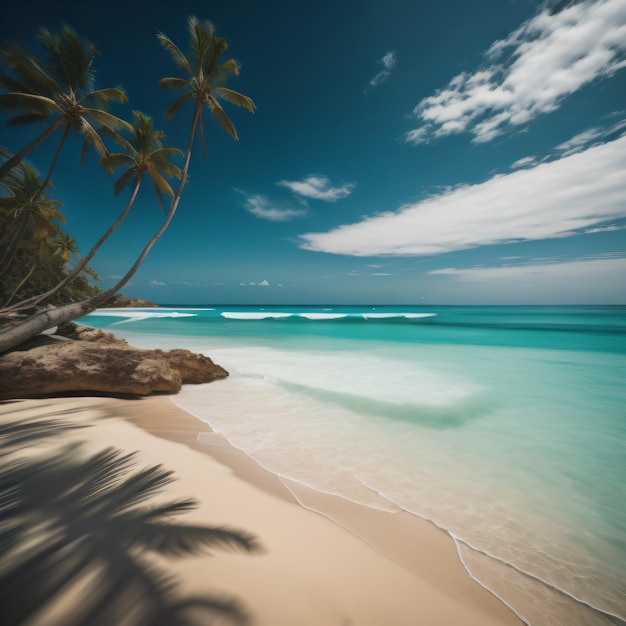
[386,570]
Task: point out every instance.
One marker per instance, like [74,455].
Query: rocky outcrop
[91,361]
[118,301]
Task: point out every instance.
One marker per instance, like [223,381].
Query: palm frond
[29,118]
[171,82]
[30,74]
[220,116]
[123,180]
[236,98]
[29,102]
[180,60]
[161,186]
[165,153]
[202,44]
[113,160]
[71,58]
[11,84]
[229,67]
[117,138]
[107,119]
[111,94]
[177,104]
[91,138]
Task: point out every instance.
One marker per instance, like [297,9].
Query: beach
[374,567]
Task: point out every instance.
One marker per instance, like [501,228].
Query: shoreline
[339,562]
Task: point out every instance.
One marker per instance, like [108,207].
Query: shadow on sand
[78,535]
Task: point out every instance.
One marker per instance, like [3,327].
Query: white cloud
[261,207]
[587,137]
[115,277]
[605,229]
[318,188]
[381,274]
[547,59]
[588,278]
[263,283]
[388,62]
[158,283]
[525,162]
[554,199]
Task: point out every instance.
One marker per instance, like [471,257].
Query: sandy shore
[362,567]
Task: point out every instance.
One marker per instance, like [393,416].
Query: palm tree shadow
[77,534]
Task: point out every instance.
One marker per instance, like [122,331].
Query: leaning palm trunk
[19,157]
[21,284]
[34,300]
[18,334]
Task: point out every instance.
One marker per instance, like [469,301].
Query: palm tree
[25,207]
[64,246]
[144,155]
[205,76]
[60,88]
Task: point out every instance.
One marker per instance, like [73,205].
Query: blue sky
[427,151]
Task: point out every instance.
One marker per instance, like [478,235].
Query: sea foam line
[261,315]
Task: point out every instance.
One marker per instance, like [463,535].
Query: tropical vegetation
[59,89]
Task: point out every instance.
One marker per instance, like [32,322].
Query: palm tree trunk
[34,300]
[66,132]
[15,335]
[19,157]
[28,275]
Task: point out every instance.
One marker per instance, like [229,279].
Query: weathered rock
[88,333]
[120,301]
[57,366]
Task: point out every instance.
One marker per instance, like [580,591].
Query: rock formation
[119,301]
[90,361]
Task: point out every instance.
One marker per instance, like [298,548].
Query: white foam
[237,315]
[376,377]
[323,316]
[261,315]
[136,315]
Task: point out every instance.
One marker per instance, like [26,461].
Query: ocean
[505,426]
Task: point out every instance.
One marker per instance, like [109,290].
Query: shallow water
[503,425]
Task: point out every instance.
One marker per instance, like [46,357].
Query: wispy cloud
[529,73]
[263,208]
[555,199]
[263,283]
[388,62]
[525,162]
[582,271]
[158,283]
[586,138]
[604,229]
[318,188]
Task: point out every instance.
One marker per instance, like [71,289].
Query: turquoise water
[505,426]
